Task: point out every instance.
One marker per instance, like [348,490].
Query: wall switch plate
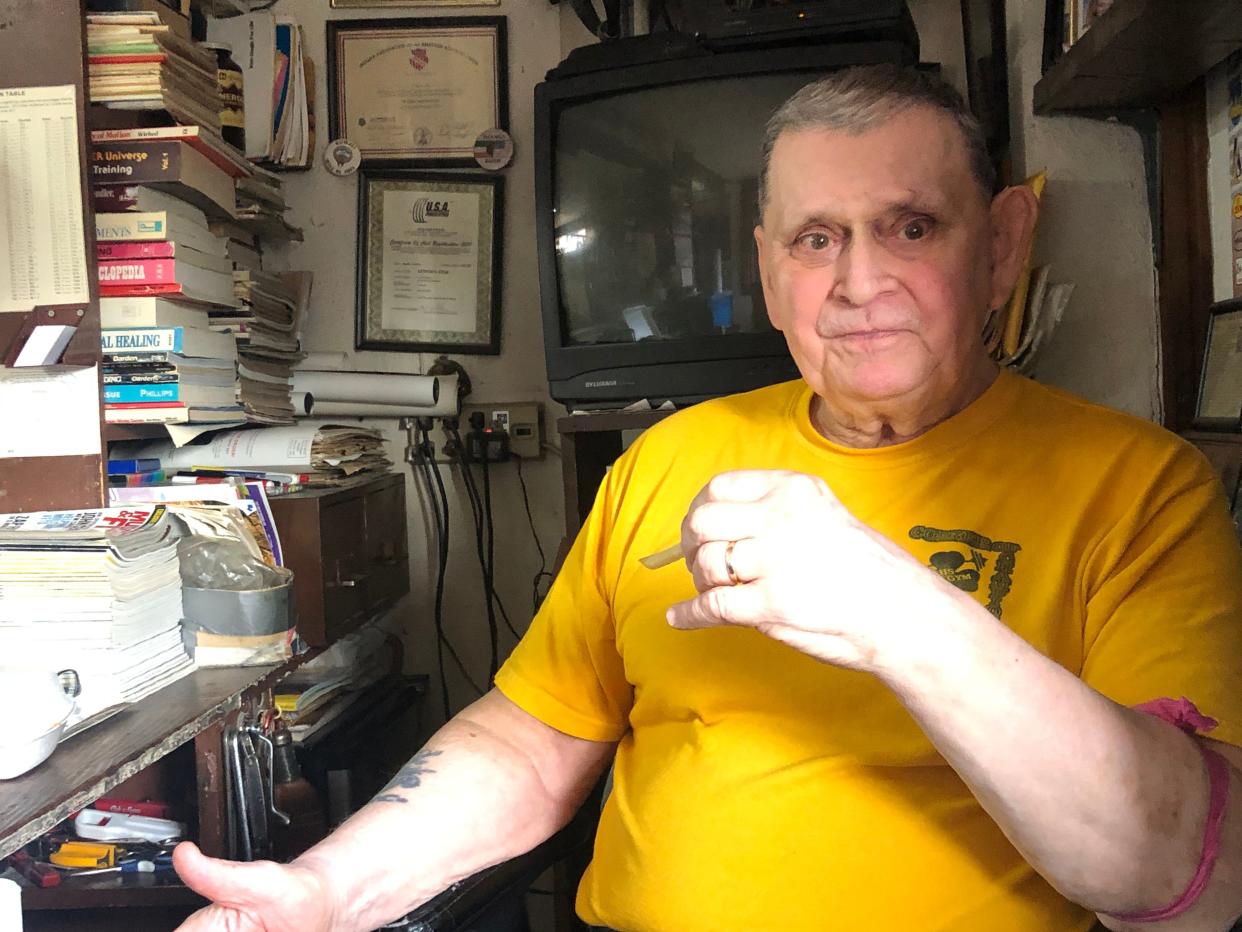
[521,420]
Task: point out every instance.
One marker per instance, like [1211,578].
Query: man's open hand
[261,896]
[806,572]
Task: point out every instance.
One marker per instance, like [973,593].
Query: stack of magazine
[97,591]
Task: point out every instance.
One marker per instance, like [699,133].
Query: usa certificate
[430,258]
[419,90]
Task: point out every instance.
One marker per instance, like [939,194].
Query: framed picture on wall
[417,90]
[1220,385]
[429,262]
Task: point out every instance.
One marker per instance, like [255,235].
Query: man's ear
[1014,212]
[762,246]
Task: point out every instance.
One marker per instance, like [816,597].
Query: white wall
[1096,231]
[325,206]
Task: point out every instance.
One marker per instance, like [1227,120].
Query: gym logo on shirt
[965,566]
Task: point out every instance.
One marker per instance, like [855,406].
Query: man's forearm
[1108,804]
[476,795]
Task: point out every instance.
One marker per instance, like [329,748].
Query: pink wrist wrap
[1183,714]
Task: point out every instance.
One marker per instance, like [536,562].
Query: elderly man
[921,599]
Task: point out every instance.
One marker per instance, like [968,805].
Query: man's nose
[862,271]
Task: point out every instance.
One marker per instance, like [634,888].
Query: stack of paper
[96,591]
[1041,310]
[261,206]
[267,328]
[325,454]
[138,63]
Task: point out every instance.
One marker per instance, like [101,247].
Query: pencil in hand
[661,558]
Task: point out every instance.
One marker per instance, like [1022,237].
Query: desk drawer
[348,552]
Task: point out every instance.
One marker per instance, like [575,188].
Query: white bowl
[17,759]
[29,734]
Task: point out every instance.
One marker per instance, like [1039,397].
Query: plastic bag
[226,563]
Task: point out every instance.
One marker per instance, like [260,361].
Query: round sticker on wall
[342,157]
[493,149]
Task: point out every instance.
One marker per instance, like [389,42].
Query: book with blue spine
[144,464]
[170,391]
[188,341]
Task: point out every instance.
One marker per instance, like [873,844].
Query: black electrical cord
[536,596]
[421,466]
[435,485]
[490,529]
[476,509]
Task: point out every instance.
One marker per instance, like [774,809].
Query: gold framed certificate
[428,262]
[1220,385]
[417,90]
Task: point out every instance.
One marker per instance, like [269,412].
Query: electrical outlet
[521,420]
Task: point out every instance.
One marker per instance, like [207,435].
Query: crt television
[646,175]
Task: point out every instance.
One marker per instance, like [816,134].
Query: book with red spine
[133,279]
[138,59]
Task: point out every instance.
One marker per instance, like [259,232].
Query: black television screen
[646,201]
[655,206]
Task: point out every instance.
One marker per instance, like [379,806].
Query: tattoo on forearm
[408,777]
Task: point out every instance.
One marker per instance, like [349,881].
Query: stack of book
[98,592]
[134,473]
[266,328]
[176,166]
[169,374]
[138,63]
[160,271]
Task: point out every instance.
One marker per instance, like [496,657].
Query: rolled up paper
[315,405]
[303,403]
[369,387]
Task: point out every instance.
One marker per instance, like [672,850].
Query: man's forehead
[916,158]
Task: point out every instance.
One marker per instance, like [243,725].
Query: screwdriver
[133,866]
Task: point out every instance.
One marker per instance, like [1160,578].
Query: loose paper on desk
[50,411]
[41,234]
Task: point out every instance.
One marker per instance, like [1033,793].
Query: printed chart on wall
[42,252]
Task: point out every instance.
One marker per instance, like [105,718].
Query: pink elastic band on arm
[1183,714]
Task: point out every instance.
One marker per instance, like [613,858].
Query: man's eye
[812,242]
[915,230]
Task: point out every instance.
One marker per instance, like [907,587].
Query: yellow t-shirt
[756,788]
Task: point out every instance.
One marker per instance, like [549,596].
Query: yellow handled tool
[84,854]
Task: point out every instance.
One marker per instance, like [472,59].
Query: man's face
[876,258]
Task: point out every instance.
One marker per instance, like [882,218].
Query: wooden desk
[86,766]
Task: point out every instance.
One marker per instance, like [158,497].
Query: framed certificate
[1220,387]
[428,262]
[417,90]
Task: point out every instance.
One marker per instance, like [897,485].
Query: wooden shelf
[609,420]
[110,891]
[87,765]
[1140,54]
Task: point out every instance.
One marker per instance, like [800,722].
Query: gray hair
[864,97]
